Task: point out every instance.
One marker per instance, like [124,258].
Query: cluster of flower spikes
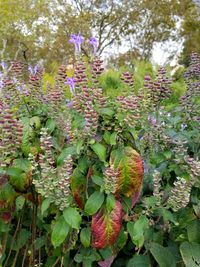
[180,193]
[11,133]
[129,106]
[192,79]
[55,97]
[83,100]
[110,179]
[9,92]
[157,178]
[35,85]
[50,181]
[159,89]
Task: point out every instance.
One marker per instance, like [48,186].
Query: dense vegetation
[98,172]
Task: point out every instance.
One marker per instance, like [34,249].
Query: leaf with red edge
[78,188]
[107,262]
[129,165]
[106,226]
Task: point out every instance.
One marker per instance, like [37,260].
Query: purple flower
[77,40]
[71,83]
[3,65]
[33,70]
[93,42]
[183,126]
[69,103]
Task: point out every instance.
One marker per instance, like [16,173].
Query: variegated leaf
[106,226]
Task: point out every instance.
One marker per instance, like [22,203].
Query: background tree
[34,29]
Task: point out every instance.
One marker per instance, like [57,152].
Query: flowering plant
[106,181]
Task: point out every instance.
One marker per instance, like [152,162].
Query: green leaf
[20,200]
[18,179]
[50,125]
[98,180]
[60,232]
[35,122]
[45,205]
[113,139]
[22,164]
[85,237]
[106,137]
[110,202]
[137,229]
[100,151]
[94,203]
[107,111]
[190,253]
[66,152]
[138,261]
[22,239]
[79,146]
[72,217]
[162,255]
[39,242]
[193,231]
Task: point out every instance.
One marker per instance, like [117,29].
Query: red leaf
[106,226]
[107,262]
[128,163]
[135,197]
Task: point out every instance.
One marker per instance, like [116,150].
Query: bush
[95,180]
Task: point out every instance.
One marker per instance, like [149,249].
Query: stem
[62,261]
[57,260]
[24,257]
[13,240]
[33,229]
[15,259]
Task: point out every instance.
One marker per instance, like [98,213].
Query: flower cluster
[11,133]
[110,179]
[157,178]
[159,89]
[180,194]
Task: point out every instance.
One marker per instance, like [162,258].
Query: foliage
[97,180]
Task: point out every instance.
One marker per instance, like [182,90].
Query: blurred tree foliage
[33,29]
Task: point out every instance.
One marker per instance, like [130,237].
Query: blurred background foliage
[39,29]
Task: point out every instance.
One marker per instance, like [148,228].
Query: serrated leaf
[94,203]
[190,253]
[106,226]
[85,237]
[129,165]
[162,255]
[72,217]
[60,232]
[100,151]
[45,205]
